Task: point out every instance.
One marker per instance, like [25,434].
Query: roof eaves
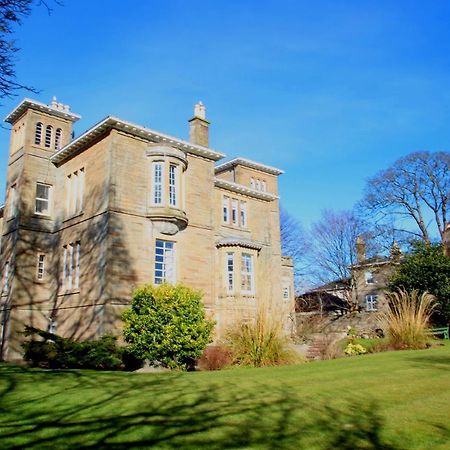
[248,163]
[241,189]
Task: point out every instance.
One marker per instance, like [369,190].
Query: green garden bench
[442,330]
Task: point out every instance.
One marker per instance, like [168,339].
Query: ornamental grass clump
[407,318]
[260,343]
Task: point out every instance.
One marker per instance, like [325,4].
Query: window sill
[42,216]
[74,216]
[69,292]
[235,227]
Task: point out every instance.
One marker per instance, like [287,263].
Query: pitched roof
[248,163]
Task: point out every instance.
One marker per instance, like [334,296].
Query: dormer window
[38,134]
[48,136]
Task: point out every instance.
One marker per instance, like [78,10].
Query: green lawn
[396,400]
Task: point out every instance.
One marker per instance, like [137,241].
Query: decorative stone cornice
[27,103]
[248,163]
[155,150]
[241,189]
[111,122]
[238,242]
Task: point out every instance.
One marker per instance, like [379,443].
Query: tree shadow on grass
[83,409]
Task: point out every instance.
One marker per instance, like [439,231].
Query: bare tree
[413,194]
[294,243]
[334,244]
[12,12]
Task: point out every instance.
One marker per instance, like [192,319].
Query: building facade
[87,220]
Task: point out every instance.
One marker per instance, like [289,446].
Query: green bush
[55,352]
[166,325]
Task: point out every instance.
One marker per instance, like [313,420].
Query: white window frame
[234,212]
[40,267]
[247,274]
[226,209]
[75,192]
[252,183]
[6,274]
[71,266]
[165,255]
[369,278]
[157,191]
[286,290]
[230,272]
[371,302]
[41,199]
[263,186]
[258,184]
[243,213]
[13,201]
[173,184]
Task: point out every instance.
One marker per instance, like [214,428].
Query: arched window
[58,135]
[48,136]
[38,134]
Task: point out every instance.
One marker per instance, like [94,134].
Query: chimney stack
[446,240]
[396,253]
[199,126]
[360,249]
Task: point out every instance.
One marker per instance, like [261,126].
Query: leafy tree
[166,324]
[412,191]
[426,268]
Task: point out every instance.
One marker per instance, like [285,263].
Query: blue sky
[329,91]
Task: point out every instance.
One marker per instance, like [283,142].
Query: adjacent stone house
[86,220]
[370,277]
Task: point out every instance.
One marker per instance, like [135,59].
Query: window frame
[230,278]
[368,277]
[234,211]
[40,268]
[38,133]
[6,277]
[167,253]
[58,138]
[247,275]
[226,209]
[243,213]
[37,199]
[371,302]
[157,186]
[48,138]
[173,185]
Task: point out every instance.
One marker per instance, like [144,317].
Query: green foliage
[260,343]
[354,349]
[166,325]
[426,269]
[407,318]
[55,352]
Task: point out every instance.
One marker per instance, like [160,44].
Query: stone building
[87,220]
[370,277]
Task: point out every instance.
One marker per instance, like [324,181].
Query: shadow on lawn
[99,410]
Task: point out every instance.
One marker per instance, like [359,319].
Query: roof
[248,163]
[241,189]
[374,261]
[343,283]
[316,301]
[27,103]
[112,122]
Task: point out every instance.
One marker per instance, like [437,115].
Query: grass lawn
[396,400]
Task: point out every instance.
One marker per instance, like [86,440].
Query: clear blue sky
[329,91]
